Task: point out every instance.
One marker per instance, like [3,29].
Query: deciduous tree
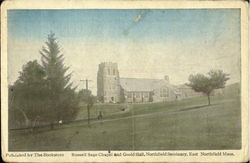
[214,79]
[28,95]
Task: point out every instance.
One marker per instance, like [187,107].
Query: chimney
[166,78]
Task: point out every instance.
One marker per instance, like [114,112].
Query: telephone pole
[88,100]
[87,83]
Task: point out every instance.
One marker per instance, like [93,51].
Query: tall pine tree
[63,104]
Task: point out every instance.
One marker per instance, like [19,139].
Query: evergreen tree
[43,93]
[63,104]
[52,62]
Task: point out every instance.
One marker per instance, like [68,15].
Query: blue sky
[144,43]
[102,24]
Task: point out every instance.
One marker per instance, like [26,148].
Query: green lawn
[185,124]
[106,109]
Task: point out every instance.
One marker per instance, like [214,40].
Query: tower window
[113,71]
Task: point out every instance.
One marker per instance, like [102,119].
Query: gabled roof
[184,86]
[141,85]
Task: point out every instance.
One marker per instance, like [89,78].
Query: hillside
[186,124]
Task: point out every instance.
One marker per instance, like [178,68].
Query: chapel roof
[141,84]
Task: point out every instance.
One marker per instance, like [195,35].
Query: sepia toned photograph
[125,79]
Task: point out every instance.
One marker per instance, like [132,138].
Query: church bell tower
[108,83]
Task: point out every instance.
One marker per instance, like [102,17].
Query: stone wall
[108,85]
[164,93]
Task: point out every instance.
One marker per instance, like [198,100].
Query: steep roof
[140,85]
[184,86]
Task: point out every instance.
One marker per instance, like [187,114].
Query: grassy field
[185,124]
[106,109]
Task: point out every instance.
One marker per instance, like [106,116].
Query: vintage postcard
[124,81]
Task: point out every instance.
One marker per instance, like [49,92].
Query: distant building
[112,88]
[147,90]
[187,92]
[108,83]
